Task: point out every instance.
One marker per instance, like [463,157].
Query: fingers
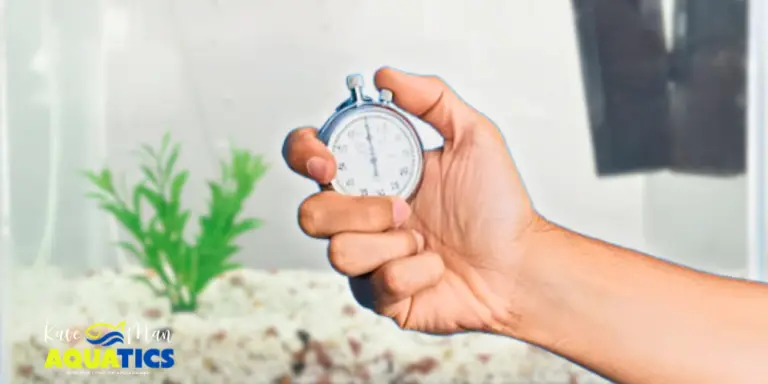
[355,254]
[402,278]
[328,213]
[431,100]
[308,156]
[390,288]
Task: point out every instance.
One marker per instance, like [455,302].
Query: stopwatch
[376,147]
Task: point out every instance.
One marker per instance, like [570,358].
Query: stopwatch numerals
[350,183]
[394,185]
[342,166]
[364,192]
[381,192]
[404,171]
[340,148]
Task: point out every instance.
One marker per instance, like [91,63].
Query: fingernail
[419,241]
[400,211]
[316,168]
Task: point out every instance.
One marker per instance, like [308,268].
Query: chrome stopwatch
[377,149]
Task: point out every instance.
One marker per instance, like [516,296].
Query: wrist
[542,283]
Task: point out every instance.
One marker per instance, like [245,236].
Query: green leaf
[136,200]
[171,162]
[230,267]
[125,217]
[177,184]
[210,272]
[159,237]
[150,175]
[182,220]
[245,225]
[93,178]
[131,248]
[96,196]
[153,262]
[102,180]
[217,255]
[155,199]
[166,141]
[217,193]
[149,151]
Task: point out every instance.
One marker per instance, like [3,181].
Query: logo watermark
[110,352]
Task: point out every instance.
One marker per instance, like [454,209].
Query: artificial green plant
[184,267]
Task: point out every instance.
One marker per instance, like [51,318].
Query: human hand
[449,261]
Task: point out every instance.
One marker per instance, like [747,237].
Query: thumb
[431,100]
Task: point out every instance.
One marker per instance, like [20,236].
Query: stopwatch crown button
[385,95]
[354,82]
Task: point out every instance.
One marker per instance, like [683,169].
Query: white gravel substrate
[246,331]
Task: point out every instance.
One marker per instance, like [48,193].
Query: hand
[449,262]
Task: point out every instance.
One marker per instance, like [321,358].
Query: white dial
[376,153]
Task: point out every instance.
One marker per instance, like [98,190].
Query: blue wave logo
[108,339]
[104,334]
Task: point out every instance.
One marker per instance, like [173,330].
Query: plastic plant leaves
[184,268]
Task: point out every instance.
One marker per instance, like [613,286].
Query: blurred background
[639,122]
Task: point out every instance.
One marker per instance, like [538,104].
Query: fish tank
[127,125]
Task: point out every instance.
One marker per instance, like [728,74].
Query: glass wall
[88,86]
[758,141]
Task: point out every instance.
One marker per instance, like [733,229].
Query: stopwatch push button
[385,96]
[354,82]
[355,85]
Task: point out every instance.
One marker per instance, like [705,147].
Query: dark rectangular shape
[708,103]
[625,69]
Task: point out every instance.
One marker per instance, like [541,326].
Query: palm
[454,211]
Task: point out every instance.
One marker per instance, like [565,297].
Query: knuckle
[392,281]
[338,254]
[407,241]
[377,211]
[309,217]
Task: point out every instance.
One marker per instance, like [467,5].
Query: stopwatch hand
[374,160]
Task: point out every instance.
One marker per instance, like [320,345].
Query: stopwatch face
[377,153]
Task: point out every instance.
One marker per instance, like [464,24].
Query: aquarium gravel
[257,326]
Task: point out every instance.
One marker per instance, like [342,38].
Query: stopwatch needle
[374,160]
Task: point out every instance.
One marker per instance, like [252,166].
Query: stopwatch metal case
[360,104]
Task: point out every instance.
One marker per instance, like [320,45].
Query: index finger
[306,155]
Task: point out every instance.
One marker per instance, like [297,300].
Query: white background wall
[213,70]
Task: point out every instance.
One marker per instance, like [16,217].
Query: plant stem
[181,298]
[184,305]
